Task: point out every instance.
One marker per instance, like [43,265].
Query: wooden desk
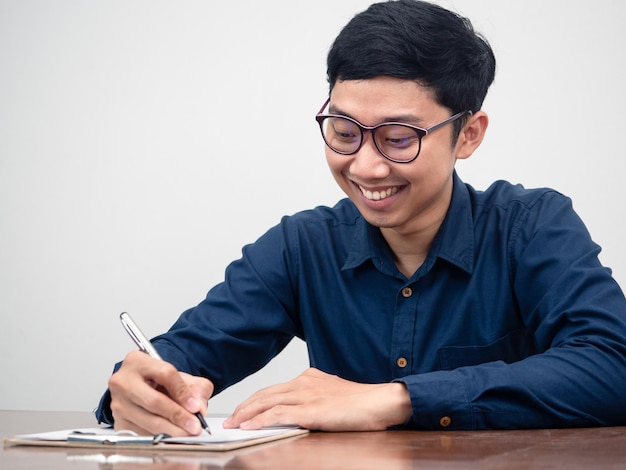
[394,450]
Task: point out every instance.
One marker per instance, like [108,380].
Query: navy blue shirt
[510,322]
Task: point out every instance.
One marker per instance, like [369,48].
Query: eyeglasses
[396,141]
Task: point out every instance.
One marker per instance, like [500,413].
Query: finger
[136,401]
[201,388]
[280,415]
[260,403]
[162,406]
[147,409]
[293,392]
[132,411]
[307,386]
[172,383]
[135,418]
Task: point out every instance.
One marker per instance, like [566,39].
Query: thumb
[202,389]
[175,385]
[192,392]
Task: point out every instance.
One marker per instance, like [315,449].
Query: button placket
[403,331]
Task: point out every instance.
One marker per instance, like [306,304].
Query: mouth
[379,194]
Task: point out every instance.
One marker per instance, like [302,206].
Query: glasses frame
[421,131]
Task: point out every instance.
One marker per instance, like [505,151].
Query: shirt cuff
[439,400]
[103,412]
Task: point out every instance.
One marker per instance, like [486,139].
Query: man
[424,303]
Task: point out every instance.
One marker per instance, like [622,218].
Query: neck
[410,247]
[410,251]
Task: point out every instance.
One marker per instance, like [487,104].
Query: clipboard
[106,438]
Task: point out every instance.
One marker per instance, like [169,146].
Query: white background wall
[137,156]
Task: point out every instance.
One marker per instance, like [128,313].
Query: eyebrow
[402,118]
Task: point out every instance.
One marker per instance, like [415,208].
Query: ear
[472,135]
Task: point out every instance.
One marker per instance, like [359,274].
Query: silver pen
[144,344]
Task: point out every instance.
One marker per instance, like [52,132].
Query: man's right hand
[149,396]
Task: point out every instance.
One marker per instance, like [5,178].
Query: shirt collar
[454,242]
[455,239]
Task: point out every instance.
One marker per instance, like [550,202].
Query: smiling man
[424,303]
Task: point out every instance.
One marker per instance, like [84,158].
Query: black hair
[420,41]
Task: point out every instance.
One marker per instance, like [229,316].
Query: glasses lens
[342,135]
[400,143]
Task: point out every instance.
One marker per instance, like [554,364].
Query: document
[220,439]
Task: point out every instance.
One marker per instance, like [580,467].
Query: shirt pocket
[512,347]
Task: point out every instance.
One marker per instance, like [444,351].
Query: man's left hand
[320,401]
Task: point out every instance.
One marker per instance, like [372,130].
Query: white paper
[218,434]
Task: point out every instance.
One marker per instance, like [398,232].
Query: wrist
[401,407]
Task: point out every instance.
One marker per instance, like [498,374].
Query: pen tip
[203,423]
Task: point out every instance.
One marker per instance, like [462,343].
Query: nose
[368,163]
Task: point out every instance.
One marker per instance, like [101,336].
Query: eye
[397,136]
[344,130]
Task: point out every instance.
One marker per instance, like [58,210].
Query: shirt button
[407,292]
[402,362]
[445,421]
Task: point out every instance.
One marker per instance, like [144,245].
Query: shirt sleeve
[577,314]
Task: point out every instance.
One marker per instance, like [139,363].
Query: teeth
[378,195]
